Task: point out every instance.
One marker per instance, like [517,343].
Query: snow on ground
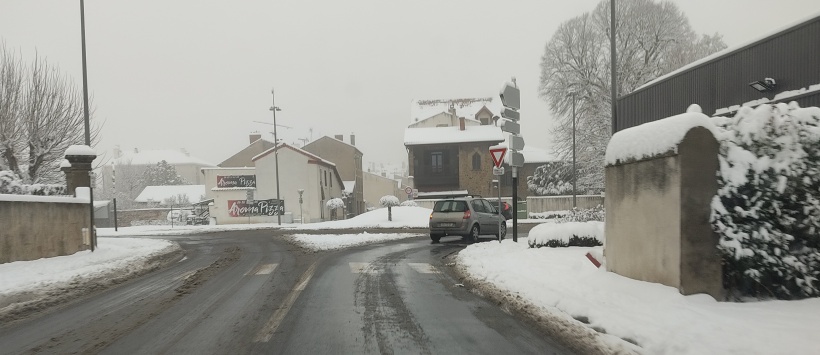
[403,217]
[657,317]
[111,255]
[561,283]
[339,241]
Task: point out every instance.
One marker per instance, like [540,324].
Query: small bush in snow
[547,215]
[335,204]
[10,183]
[570,234]
[409,203]
[584,215]
[767,211]
[389,201]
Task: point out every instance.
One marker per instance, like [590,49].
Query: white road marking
[423,268]
[265,269]
[267,331]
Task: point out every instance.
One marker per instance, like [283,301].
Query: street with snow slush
[254,292]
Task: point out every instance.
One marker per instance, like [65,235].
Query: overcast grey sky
[197,74]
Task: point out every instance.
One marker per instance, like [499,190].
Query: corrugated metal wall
[791,57]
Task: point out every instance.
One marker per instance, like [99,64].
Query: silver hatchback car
[467,217]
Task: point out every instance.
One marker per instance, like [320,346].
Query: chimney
[255,136]
[461,123]
[352,139]
[340,137]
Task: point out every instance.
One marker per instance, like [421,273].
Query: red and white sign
[408,190]
[498,156]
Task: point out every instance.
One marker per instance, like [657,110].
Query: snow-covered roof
[152,157]
[726,52]
[160,193]
[439,135]
[80,150]
[537,155]
[654,138]
[465,107]
[349,186]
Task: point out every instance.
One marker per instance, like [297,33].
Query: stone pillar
[78,174]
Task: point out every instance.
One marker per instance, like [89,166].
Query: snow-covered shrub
[10,183]
[584,215]
[335,204]
[570,234]
[409,203]
[389,201]
[551,179]
[767,211]
[547,215]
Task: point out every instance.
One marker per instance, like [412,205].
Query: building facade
[781,67]
[348,160]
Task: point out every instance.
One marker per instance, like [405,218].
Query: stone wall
[35,227]
[657,217]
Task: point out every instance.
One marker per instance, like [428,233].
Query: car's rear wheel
[474,233]
[503,231]
[435,237]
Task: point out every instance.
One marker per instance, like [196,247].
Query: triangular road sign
[498,156]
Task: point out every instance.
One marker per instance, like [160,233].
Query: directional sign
[516,159]
[516,142]
[498,155]
[510,96]
[510,113]
[510,126]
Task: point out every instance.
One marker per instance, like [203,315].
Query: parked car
[467,217]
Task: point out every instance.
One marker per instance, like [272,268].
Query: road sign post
[511,99]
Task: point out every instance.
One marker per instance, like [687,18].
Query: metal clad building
[791,57]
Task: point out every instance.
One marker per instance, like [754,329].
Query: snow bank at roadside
[112,256]
[339,241]
[657,317]
[403,217]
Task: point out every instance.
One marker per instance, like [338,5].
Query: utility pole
[92,237]
[276,158]
[613,61]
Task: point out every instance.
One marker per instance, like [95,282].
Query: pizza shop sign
[241,208]
[236,181]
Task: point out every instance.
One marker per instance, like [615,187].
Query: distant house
[448,150]
[243,158]
[348,160]
[231,187]
[170,195]
[378,186]
[129,168]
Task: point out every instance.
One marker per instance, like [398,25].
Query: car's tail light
[467,214]
[431,216]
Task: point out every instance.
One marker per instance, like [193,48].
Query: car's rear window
[450,206]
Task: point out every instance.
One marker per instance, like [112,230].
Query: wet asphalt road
[252,292]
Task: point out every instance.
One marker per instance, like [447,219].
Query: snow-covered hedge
[409,203]
[584,215]
[10,183]
[767,211]
[389,201]
[335,203]
[570,234]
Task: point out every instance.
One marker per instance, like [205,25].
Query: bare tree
[652,39]
[41,115]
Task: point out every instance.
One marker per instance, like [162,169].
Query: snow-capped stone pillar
[660,181]
[80,158]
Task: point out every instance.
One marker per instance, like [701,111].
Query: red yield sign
[498,156]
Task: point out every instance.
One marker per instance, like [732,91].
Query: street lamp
[92,237]
[276,158]
[301,211]
[574,175]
